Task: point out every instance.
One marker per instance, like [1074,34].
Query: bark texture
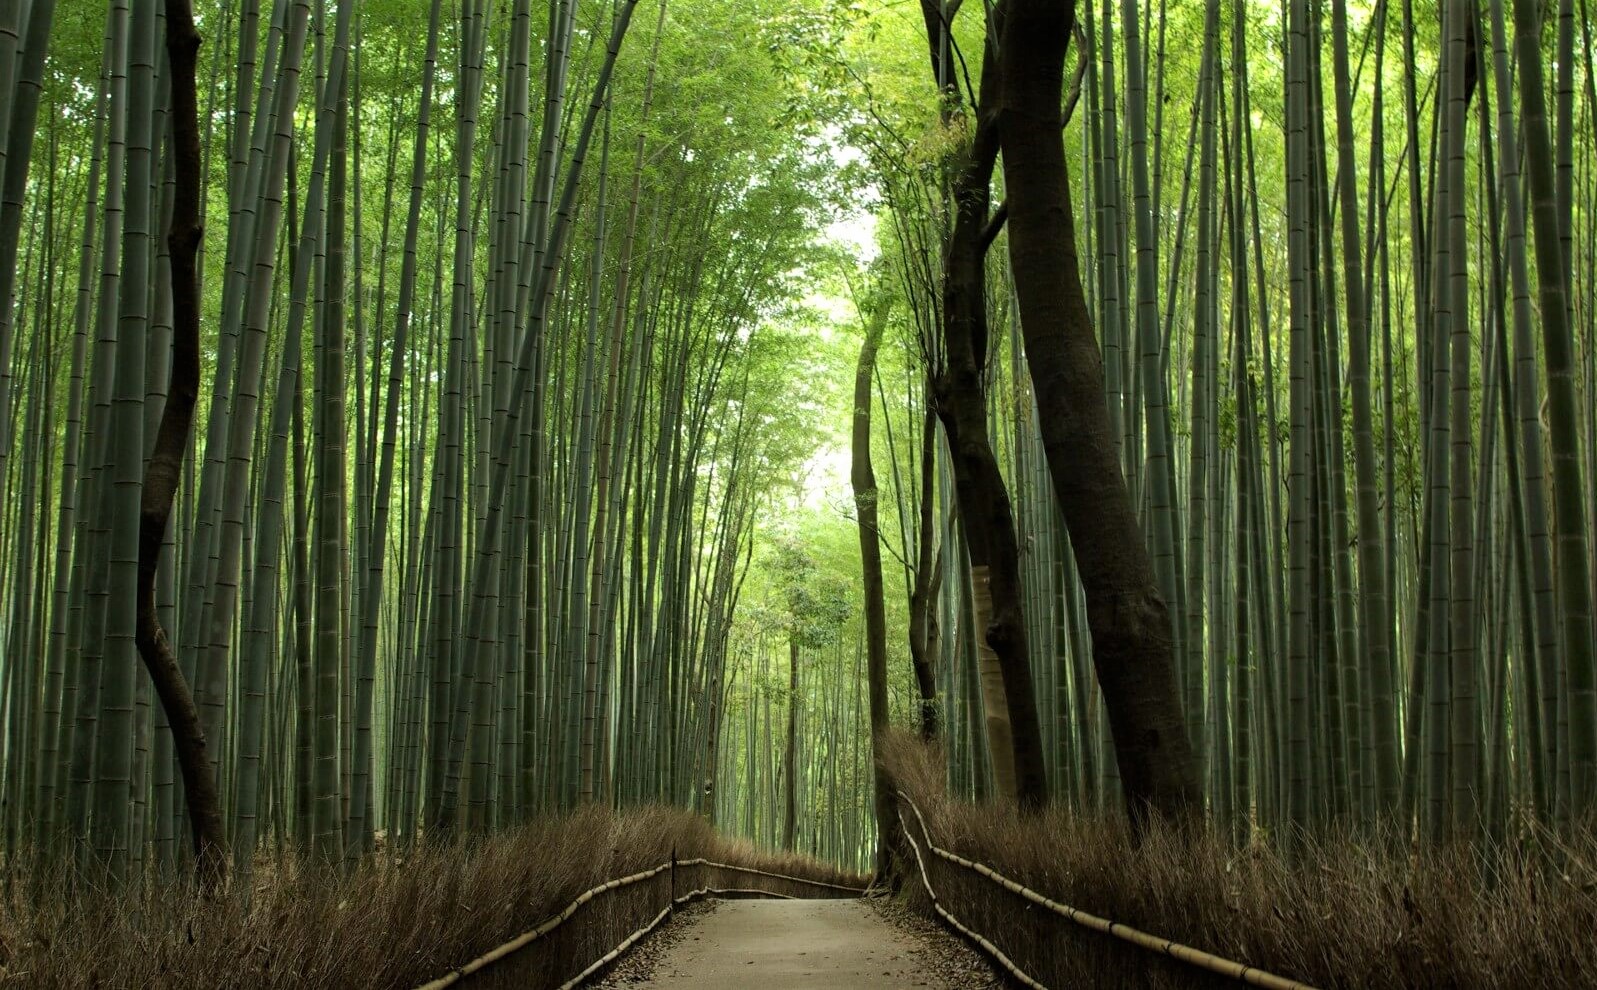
[166,462]
[1129,621]
[924,635]
[960,392]
[862,476]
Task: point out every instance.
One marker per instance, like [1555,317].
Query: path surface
[777,945]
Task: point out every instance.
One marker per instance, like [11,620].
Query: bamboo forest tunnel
[417,419]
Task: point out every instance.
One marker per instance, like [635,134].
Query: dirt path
[777,945]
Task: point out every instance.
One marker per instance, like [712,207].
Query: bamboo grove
[516,479]
[496,322]
[1337,258]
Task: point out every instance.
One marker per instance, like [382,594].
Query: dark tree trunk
[1130,625]
[166,462]
[863,478]
[961,398]
[924,634]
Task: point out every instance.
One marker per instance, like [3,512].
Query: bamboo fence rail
[555,921]
[767,873]
[961,927]
[1250,975]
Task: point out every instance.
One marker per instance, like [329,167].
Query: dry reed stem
[1349,909]
[400,919]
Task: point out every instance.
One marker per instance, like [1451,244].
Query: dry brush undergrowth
[396,921]
[1345,911]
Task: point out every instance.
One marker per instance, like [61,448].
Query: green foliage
[817,604]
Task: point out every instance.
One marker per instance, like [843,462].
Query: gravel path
[776,945]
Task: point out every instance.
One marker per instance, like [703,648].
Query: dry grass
[393,923]
[1346,912]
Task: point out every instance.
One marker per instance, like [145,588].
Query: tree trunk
[1132,648]
[166,462]
[863,479]
[962,406]
[791,797]
[924,635]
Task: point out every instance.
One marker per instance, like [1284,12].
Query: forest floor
[776,945]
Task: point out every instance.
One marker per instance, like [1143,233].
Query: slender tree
[862,477]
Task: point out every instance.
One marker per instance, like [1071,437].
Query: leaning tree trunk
[166,462]
[1014,733]
[1132,647]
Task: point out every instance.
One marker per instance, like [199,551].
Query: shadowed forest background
[423,421]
